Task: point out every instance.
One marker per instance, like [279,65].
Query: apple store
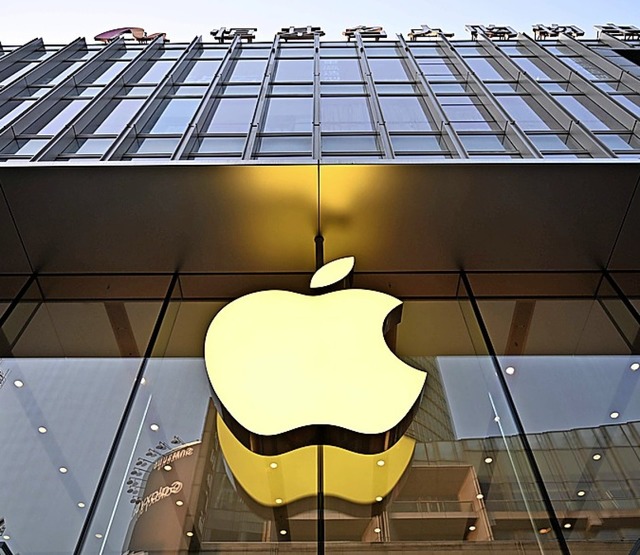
[415,333]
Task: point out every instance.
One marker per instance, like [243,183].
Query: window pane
[202,71]
[349,143]
[405,113]
[285,144]
[553,142]
[405,143]
[439,71]
[154,72]
[521,109]
[232,115]
[537,69]
[482,142]
[586,111]
[289,114]
[25,148]
[294,70]
[13,110]
[485,69]
[152,145]
[106,73]
[60,119]
[172,116]
[388,69]
[347,113]
[88,146]
[248,70]
[116,117]
[340,69]
[221,144]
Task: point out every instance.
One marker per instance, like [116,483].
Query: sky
[61,21]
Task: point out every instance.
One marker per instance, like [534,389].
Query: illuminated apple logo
[291,370]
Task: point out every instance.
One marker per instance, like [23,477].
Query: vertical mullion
[225,66]
[374,101]
[531,459]
[18,55]
[316,143]
[261,104]
[453,140]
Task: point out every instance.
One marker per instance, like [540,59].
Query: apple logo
[290,370]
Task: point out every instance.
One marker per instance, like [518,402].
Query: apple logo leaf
[333,272]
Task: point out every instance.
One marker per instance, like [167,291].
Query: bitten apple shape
[279,361]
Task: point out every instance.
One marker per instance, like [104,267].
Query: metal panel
[12,255]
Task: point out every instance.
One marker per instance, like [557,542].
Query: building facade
[489,183]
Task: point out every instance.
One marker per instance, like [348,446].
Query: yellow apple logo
[292,370]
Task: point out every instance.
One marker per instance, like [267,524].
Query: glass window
[154,72]
[248,52]
[337,51]
[232,115]
[292,89]
[295,52]
[115,117]
[554,142]
[339,88]
[202,71]
[105,73]
[346,113]
[411,143]
[466,113]
[58,74]
[153,145]
[587,112]
[537,69]
[248,70]
[439,71]
[486,69]
[349,143]
[631,102]
[64,112]
[294,70]
[619,142]
[216,145]
[289,114]
[25,147]
[340,69]
[586,68]
[244,90]
[483,142]
[388,69]
[88,146]
[285,144]
[172,116]
[12,110]
[527,113]
[397,88]
[405,113]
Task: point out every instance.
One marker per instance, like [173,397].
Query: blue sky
[64,20]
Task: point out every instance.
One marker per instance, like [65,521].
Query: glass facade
[146,188]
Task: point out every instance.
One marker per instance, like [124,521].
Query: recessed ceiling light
[63,469]
[380,462]
[179,503]
[567,525]
[42,430]
[377,530]
[488,460]
[278,501]
[6,538]
[283,532]
[614,414]
[581,493]
[479,496]
[168,467]
[143,381]
[597,457]
[379,498]
[18,383]
[190,534]
[544,530]
[510,370]
[81,505]
[635,366]
[472,528]
[99,536]
[496,419]
[154,427]
[273,465]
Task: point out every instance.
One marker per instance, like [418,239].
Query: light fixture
[143,381]
[379,498]
[18,383]
[179,503]
[488,460]
[581,493]
[274,465]
[42,430]
[99,536]
[6,538]
[168,467]
[597,457]
[567,525]
[154,427]
[81,505]
[635,366]
[614,414]
[479,496]
[544,530]
[283,532]
[496,419]
[377,530]
[380,462]
[472,528]
[278,501]
[510,370]
[63,470]
[190,534]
